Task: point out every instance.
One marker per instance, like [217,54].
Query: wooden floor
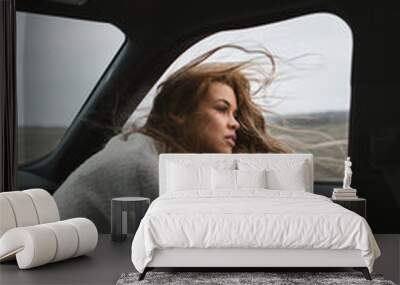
[389,262]
[110,259]
[103,266]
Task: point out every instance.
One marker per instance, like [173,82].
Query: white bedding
[252,218]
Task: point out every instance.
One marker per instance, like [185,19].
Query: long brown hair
[180,94]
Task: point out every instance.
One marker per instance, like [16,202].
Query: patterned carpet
[270,278]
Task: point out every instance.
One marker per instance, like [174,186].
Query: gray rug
[230,278]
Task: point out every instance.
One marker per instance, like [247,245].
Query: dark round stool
[126,214]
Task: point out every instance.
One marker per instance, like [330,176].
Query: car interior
[156,32]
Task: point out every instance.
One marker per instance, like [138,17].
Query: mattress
[251,219]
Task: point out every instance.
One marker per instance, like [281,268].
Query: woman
[201,108]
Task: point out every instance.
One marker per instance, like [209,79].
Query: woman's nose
[233,123]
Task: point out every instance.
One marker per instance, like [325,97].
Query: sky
[51,88]
[318,80]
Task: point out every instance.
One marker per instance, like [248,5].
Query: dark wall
[8,108]
[375,120]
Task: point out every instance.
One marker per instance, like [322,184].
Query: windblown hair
[180,94]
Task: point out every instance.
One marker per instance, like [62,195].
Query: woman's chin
[221,148]
[226,149]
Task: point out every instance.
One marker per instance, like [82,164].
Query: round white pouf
[40,244]
[87,233]
[7,218]
[32,246]
[46,207]
[23,208]
[67,240]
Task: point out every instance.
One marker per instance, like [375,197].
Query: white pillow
[227,179]
[251,178]
[181,177]
[293,180]
[223,179]
[282,174]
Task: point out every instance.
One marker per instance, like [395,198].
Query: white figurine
[347,174]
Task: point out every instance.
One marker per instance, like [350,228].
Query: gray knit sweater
[122,168]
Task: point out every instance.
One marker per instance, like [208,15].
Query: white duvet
[250,219]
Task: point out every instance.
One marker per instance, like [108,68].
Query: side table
[357,205]
[126,214]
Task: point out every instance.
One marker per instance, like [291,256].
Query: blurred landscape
[322,134]
[36,142]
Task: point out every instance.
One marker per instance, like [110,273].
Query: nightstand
[357,205]
[126,214]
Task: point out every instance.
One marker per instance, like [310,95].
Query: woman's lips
[231,140]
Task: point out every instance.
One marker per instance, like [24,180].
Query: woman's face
[216,124]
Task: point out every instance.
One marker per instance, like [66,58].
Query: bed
[246,211]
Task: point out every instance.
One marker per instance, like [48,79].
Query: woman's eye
[222,109]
